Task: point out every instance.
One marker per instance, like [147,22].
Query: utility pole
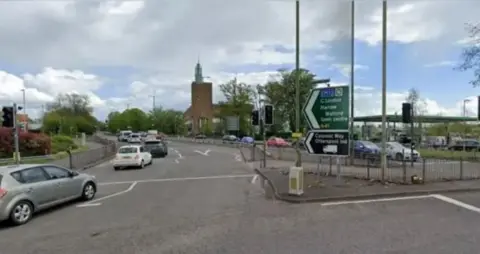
[352,79]
[384,88]
[298,163]
[24,103]
[15,134]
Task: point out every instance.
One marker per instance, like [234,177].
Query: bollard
[404,167]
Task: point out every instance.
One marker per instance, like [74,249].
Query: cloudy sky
[121,52]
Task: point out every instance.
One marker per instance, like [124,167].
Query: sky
[120,53]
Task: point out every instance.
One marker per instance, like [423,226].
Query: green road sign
[328,108]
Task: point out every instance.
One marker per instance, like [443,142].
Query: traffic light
[406,113]
[255,118]
[7,117]
[268,114]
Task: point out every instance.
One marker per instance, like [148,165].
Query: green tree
[69,114]
[471,54]
[239,101]
[419,109]
[280,92]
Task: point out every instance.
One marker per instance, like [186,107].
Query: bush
[61,143]
[31,144]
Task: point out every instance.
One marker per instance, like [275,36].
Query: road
[203,199]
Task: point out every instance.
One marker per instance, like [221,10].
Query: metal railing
[364,166]
[78,160]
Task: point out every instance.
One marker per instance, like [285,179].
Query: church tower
[202,101]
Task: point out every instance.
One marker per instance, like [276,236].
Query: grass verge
[449,155]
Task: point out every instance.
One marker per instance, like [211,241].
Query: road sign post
[328,114]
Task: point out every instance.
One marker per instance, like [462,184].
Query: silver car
[29,188]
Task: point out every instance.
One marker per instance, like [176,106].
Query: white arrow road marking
[203,153]
[308,140]
[254,179]
[176,161]
[309,109]
[95,202]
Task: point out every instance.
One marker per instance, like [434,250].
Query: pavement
[204,199]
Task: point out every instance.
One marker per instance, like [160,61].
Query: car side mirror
[73,173]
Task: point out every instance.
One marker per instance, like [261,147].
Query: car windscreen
[134,136]
[127,150]
[369,144]
[1,177]
[153,144]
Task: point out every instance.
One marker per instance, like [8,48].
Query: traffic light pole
[15,135]
[411,134]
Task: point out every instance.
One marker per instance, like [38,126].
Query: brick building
[202,109]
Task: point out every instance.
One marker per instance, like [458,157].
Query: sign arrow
[328,142]
[308,109]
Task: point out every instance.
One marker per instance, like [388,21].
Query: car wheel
[142,164]
[151,161]
[21,213]
[116,168]
[89,191]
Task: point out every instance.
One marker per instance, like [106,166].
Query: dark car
[157,148]
[364,149]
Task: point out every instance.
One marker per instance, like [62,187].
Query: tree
[239,100]
[471,54]
[69,114]
[281,91]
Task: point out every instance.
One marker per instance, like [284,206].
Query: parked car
[123,136]
[364,149]
[247,140]
[157,148]
[132,156]
[229,139]
[134,138]
[399,152]
[29,188]
[200,136]
[468,144]
[277,142]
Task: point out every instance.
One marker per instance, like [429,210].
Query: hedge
[62,143]
[31,144]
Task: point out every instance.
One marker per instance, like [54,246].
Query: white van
[124,136]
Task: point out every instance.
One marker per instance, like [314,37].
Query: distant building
[202,110]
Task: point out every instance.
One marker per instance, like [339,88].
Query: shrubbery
[62,143]
[31,144]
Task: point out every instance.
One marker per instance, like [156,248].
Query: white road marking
[178,153]
[88,205]
[457,203]
[176,161]
[178,179]
[238,157]
[130,188]
[203,153]
[374,200]
[254,179]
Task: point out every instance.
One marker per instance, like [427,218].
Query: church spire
[198,72]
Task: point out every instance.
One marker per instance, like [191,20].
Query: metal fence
[363,166]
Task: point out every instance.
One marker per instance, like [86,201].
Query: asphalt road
[203,199]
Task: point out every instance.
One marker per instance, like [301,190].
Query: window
[33,175]
[56,172]
[127,150]
[141,149]
[17,176]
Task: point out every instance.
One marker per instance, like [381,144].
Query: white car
[399,152]
[132,156]
[135,138]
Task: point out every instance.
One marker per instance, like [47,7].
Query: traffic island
[319,188]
